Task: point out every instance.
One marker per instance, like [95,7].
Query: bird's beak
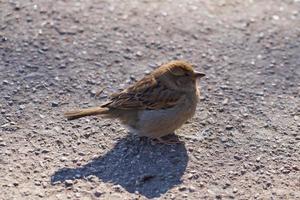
[199,74]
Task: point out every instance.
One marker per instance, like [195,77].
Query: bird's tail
[85,112]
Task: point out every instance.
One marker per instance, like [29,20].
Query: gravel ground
[243,143]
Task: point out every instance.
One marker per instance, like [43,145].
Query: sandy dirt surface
[243,143]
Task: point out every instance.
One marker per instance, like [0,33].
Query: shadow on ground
[136,165]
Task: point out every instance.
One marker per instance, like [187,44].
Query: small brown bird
[156,105]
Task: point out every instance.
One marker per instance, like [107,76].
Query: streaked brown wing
[147,93]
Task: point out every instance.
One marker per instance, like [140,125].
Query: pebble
[37,183]
[17,6]
[237,157]
[22,107]
[44,184]
[92,178]
[54,104]
[139,53]
[2,144]
[224,139]
[235,190]
[77,195]
[63,159]
[182,188]
[6,97]
[275,17]
[5,82]
[97,194]
[295,167]
[258,159]
[40,194]
[68,183]
[93,92]
[184,195]
[192,189]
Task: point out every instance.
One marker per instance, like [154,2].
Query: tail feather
[85,112]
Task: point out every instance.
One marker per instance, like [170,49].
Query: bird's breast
[157,123]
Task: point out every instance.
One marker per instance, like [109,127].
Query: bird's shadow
[136,165]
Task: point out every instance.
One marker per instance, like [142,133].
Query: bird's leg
[169,141]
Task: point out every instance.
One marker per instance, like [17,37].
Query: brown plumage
[156,105]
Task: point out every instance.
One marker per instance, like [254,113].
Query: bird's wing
[148,93]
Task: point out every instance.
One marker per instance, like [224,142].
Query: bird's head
[180,75]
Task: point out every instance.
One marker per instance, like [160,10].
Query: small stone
[7,97]
[57,129]
[54,104]
[63,159]
[17,6]
[42,116]
[22,107]
[235,190]
[196,37]
[139,53]
[224,139]
[40,194]
[5,82]
[182,188]
[227,184]
[201,184]
[44,184]
[164,14]
[237,157]
[192,189]
[285,170]
[77,195]
[78,176]
[2,144]
[93,92]
[37,183]
[68,183]
[97,194]
[92,178]
[275,17]
[45,151]
[258,159]
[296,118]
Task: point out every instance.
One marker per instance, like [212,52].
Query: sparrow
[156,105]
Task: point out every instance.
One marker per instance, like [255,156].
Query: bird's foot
[168,141]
